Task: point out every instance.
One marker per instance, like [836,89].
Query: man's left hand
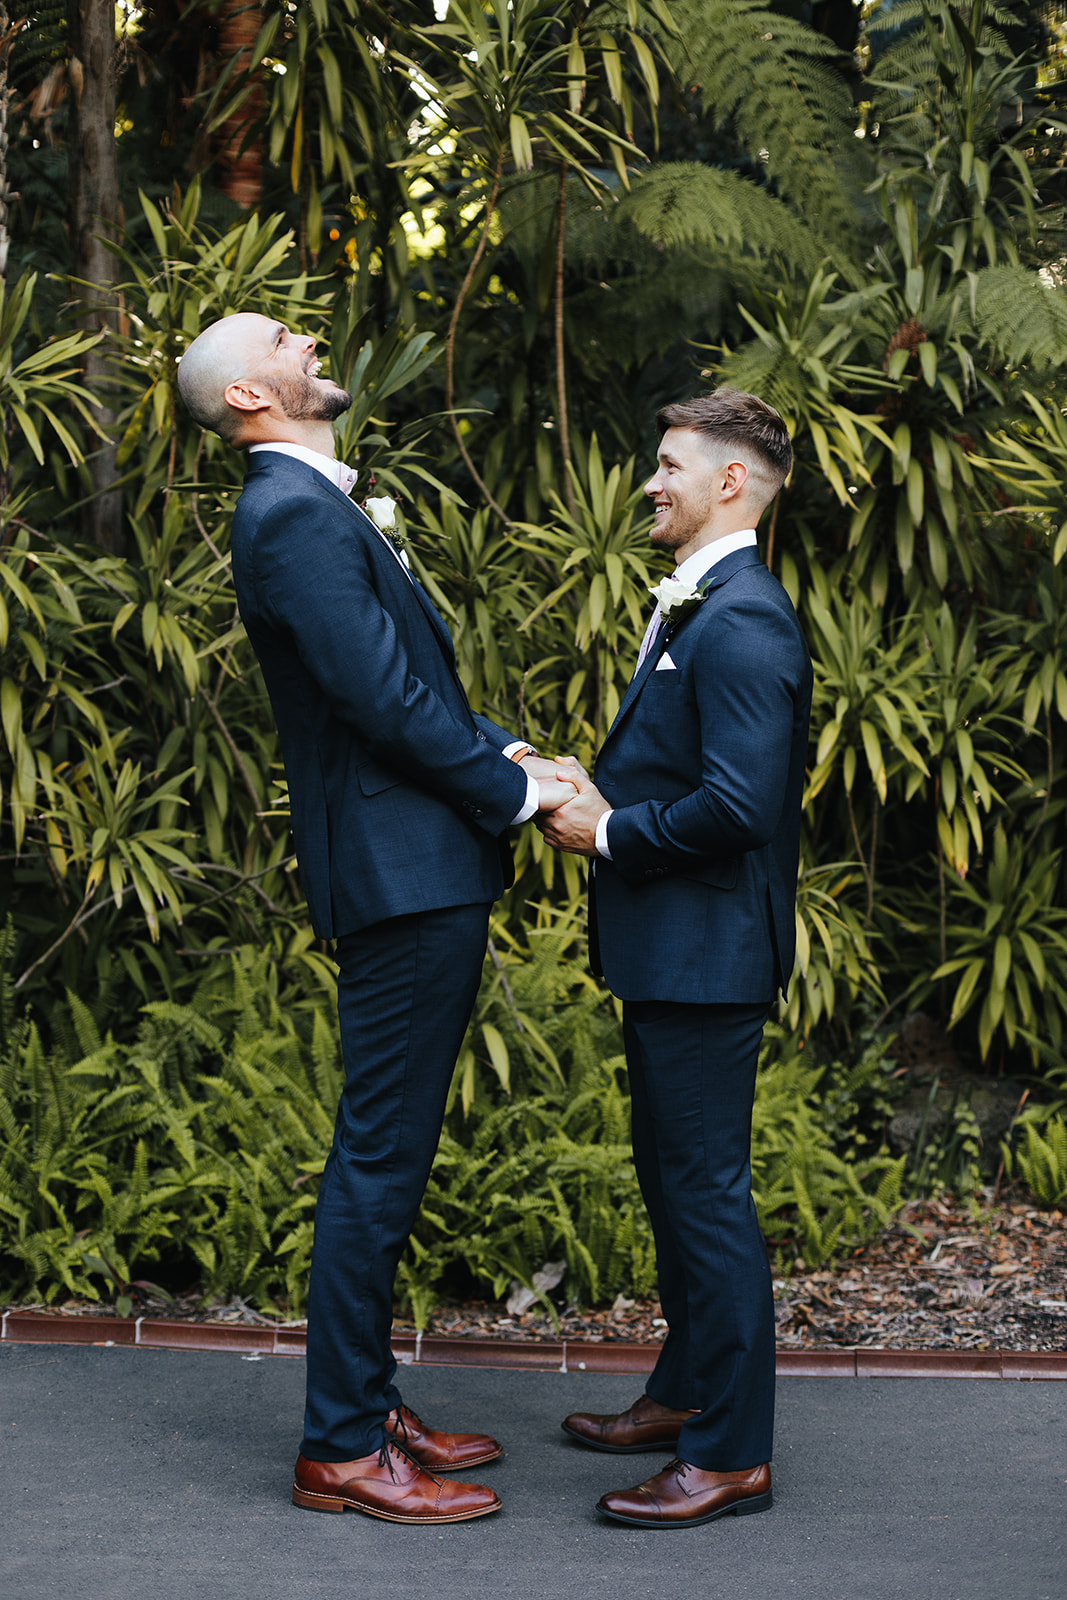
[573,826]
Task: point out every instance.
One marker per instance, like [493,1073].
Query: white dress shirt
[344,478]
[691,570]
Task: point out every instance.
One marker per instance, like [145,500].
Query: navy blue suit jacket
[704,765]
[399,793]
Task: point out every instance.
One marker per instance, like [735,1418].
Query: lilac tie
[655,623]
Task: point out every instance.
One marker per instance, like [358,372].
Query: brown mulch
[946,1276]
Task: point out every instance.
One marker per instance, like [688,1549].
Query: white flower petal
[381,509]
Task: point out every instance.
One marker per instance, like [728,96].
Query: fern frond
[1021,318]
[771,77]
[912,86]
[685,203]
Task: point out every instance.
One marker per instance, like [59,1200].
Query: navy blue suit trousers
[405,993]
[692,1079]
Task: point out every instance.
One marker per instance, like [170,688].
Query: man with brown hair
[693,823]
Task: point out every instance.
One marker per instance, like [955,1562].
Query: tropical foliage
[518,229]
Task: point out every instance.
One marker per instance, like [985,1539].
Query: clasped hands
[569,803]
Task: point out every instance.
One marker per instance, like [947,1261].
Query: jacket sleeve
[499,738]
[750,674]
[316,578]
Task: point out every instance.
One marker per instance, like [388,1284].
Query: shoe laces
[403,1411]
[391,1447]
[401,1429]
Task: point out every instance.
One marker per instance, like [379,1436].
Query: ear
[243,395]
[734,478]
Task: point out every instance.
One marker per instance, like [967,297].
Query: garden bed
[947,1276]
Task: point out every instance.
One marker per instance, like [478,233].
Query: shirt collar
[344,478]
[696,566]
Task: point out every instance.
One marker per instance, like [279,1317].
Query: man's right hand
[553,792]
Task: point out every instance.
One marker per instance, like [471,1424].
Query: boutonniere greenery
[381,509]
[675,597]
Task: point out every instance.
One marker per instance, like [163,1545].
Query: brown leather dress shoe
[388,1484]
[682,1496]
[440,1452]
[646,1426]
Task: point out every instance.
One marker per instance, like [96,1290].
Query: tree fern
[771,77]
[1019,318]
[686,203]
[927,44]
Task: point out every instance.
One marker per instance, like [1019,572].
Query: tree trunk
[240,157]
[94,203]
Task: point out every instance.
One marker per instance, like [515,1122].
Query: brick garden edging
[565,1355]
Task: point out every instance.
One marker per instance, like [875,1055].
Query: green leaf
[11,714]
[498,1053]
[521,147]
[1001,963]
[965,991]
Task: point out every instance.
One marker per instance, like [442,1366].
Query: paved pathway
[158,1475]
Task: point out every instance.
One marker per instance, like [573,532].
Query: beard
[682,522]
[306,399]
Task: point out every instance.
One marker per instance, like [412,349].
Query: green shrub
[811,1181]
[196,1146]
[1040,1159]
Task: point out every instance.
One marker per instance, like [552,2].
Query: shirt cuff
[533,794]
[601,840]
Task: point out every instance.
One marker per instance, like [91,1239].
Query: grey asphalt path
[162,1475]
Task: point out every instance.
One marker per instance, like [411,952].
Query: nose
[300,341]
[653,484]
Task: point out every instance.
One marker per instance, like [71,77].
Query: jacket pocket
[374,778]
[717,874]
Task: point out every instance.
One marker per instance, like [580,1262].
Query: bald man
[401,799]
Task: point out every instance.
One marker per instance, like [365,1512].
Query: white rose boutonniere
[381,509]
[676,597]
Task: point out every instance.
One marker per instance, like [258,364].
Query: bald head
[252,381]
[223,354]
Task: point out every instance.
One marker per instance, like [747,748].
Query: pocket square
[665,664]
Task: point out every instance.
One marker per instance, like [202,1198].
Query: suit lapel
[317,480]
[433,616]
[437,622]
[720,573]
[637,681]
